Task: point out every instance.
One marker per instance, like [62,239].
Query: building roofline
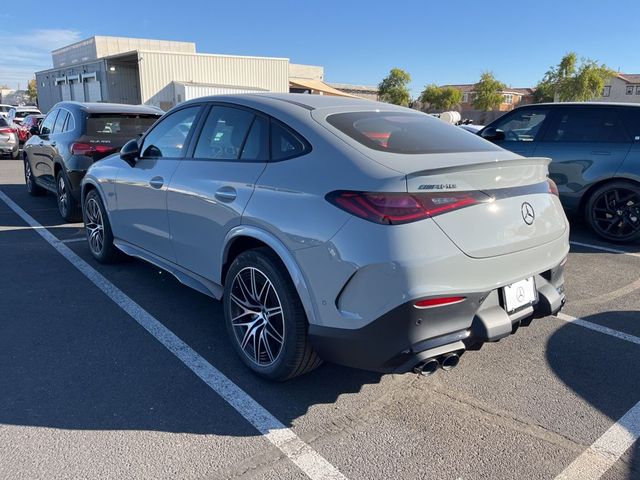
[123,38]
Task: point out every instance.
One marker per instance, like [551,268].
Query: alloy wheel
[94,226]
[616,213]
[63,200]
[257,318]
[28,176]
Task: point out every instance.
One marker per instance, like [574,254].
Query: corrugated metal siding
[49,93]
[196,91]
[158,70]
[123,84]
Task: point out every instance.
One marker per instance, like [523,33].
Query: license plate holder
[520,294]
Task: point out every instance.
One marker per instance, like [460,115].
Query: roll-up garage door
[65,90]
[77,91]
[93,90]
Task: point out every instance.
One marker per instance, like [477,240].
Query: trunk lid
[519,212]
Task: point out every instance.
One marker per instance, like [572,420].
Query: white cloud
[30,52]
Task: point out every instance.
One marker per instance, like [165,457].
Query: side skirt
[183,275]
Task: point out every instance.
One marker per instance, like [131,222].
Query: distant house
[624,87]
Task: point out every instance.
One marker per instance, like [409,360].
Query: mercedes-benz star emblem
[528,215]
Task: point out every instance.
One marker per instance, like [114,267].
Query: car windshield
[119,124]
[406,133]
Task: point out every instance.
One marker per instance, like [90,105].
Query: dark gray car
[595,152]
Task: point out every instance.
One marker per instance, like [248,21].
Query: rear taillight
[7,131]
[89,149]
[553,188]
[438,302]
[398,208]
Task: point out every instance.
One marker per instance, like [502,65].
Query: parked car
[470,127]
[73,136]
[8,139]
[326,243]
[595,148]
[17,114]
[4,110]
[24,129]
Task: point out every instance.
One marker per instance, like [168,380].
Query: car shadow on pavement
[71,359]
[602,370]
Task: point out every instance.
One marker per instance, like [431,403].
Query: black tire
[33,189]
[108,252]
[68,206]
[295,355]
[613,211]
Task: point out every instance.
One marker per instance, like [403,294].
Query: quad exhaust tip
[431,365]
[450,361]
[428,367]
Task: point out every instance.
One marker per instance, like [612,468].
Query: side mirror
[130,152]
[34,130]
[492,134]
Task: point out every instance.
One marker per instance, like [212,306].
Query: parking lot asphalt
[87,392]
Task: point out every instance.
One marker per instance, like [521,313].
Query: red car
[24,129]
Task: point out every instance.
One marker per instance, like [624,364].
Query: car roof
[95,107]
[580,104]
[306,101]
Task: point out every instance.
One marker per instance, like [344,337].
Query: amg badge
[437,186]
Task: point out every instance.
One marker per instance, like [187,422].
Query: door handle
[226,194]
[156,182]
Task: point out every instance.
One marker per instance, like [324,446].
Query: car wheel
[33,188]
[67,205]
[265,318]
[98,230]
[613,211]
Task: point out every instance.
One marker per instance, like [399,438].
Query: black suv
[73,136]
[595,152]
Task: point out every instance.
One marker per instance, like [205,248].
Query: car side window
[284,143]
[169,136]
[522,125]
[60,121]
[586,125]
[256,146]
[224,133]
[48,123]
[70,124]
[631,119]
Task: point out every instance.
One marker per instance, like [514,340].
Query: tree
[488,92]
[441,98]
[569,81]
[32,90]
[393,88]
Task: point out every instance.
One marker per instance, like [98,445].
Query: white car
[4,110]
[18,114]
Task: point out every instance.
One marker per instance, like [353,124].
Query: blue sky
[356,42]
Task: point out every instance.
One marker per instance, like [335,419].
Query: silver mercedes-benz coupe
[336,229]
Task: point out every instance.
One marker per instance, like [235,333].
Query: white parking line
[308,460]
[605,249]
[606,451]
[599,328]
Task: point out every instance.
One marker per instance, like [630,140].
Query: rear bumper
[405,336]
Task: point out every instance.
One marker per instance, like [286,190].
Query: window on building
[606,91]
[508,98]
[630,89]
[637,89]
[465,98]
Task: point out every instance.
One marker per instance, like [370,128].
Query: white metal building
[152,72]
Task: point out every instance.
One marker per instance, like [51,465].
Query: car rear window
[407,133]
[24,113]
[119,124]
